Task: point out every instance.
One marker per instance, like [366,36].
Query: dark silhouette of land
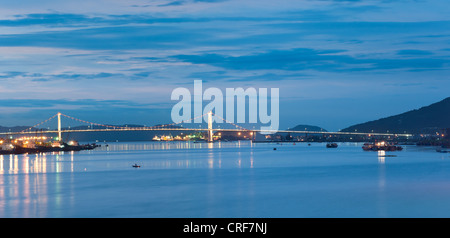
[13,129]
[306,128]
[427,120]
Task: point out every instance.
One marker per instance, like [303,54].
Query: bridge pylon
[210,130]
[59,127]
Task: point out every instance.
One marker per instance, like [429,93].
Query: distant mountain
[13,129]
[427,119]
[306,128]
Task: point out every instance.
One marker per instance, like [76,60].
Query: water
[231,179]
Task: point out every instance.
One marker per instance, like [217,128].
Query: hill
[428,119]
[306,128]
[13,129]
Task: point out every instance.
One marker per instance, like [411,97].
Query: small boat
[332,145]
[442,151]
[136,166]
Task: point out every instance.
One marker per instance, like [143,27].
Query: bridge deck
[204,130]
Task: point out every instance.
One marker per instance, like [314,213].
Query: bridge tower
[210,131]
[59,127]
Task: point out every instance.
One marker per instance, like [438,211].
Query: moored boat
[332,145]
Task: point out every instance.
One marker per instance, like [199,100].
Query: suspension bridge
[173,127]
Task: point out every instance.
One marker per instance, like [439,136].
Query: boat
[385,146]
[332,145]
[136,166]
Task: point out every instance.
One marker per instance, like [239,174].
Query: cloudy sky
[335,62]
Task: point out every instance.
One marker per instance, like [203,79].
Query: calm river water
[227,179]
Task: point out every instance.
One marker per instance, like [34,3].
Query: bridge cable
[229,122]
[92,123]
[172,124]
[40,123]
[121,127]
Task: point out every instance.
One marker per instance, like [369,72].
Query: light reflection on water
[293,181]
[37,163]
[381,156]
[170,145]
[172,155]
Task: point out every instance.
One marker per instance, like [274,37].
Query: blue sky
[336,62]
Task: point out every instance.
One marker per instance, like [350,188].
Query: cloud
[10,74]
[296,59]
[174,3]
[107,38]
[49,77]
[311,59]
[410,52]
[81,103]
[85,20]
[51,19]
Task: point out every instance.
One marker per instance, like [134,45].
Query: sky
[336,63]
